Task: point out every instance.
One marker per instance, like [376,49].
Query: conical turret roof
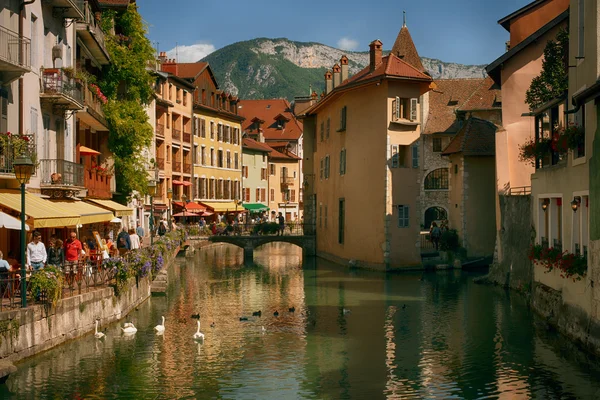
[404,48]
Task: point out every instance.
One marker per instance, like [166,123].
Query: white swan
[128,327]
[263,330]
[160,328]
[98,335]
[198,335]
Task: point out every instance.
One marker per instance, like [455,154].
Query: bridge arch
[249,243]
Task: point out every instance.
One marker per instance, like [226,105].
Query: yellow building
[284,184]
[362,175]
[217,140]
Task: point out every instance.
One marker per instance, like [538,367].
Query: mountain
[280,68]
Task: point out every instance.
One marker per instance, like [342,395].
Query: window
[326,171]
[212,157]
[328,128]
[293,195]
[413,109]
[263,174]
[272,195]
[415,155]
[168,153]
[580,29]
[169,120]
[402,216]
[398,156]
[580,121]
[257,194]
[322,168]
[245,171]
[185,98]
[322,131]
[343,162]
[320,215]
[228,159]
[203,155]
[343,115]
[341,220]
[220,133]
[437,145]
[212,130]
[220,158]
[236,162]
[247,195]
[437,179]
[403,108]
[263,195]
[456,168]
[325,216]
[272,168]
[4,110]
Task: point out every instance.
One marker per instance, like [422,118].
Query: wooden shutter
[293,199]
[322,168]
[272,194]
[415,155]
[396,109]
[257,194]
[328,128]
[263,195]
[413,109]
[394,156]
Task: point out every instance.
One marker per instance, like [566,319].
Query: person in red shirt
[73,249]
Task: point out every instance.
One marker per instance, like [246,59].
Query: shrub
[449,241]
[48,281]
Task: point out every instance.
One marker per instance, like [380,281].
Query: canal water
[353,335]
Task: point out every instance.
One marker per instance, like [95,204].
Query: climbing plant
[553,80]
[127,85]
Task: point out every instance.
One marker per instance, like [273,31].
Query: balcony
[88,30]
[14,55]
[177,166]
[60,90]
[176,134]
[160,130]
[97,184]
[187,168]
[7,153]
[287,181]
[160,162]
[93,114]
[60,178]
[68,9]
[187,137]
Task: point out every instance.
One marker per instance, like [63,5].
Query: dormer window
[280,121]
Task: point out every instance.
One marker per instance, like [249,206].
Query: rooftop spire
[404,48]
[404,22]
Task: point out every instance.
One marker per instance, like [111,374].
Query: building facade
[362,164]
[255,174]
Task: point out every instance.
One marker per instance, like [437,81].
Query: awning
[90,214]
[119,209]
[176,182]
[222,207]
[256,207]
[86,151]
[191,206]
[42,213]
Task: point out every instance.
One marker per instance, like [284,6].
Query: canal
[353,334]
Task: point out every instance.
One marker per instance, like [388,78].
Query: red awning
[176,182]
[191,206]
[186,183]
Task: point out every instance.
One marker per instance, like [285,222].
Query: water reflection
[402,336]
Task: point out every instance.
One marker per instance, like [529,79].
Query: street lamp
[23,170]
[183,199]
[152,193]
[169,212]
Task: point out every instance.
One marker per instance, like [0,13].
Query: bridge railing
[265,228]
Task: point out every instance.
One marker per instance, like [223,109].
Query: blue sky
[462,31]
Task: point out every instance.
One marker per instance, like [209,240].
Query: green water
[430,336]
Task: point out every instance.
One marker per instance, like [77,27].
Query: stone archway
[434,214]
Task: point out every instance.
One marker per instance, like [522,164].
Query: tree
[127,84]
[553,80]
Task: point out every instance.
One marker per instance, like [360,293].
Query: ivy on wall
[553,81]
[128,87]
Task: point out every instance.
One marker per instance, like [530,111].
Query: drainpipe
[21,19]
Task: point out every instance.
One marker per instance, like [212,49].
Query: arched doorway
[434,214]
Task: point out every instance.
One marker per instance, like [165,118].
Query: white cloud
[192,53]
[347,44]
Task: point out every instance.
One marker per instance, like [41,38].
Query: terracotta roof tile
[390,66]
[267,110]
[254,145]
[283,156]
[486,97]
[448,96]
[190,70]
[477,137]
[404,48]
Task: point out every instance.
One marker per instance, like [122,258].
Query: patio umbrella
[186,214]
[10,222]
[116,220]
[86,151]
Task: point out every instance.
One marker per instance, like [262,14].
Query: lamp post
[183,199]
[23,170]
[152,193]
[169,212]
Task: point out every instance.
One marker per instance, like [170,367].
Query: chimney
[375,54]
[169,66]
[261,137]
[336,76]
[328,82]
[344,64]
[162,57]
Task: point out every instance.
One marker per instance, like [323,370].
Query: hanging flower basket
[571,266]
[532,150]
[572,135]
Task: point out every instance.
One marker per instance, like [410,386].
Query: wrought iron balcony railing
[60,89]
[61,173]
[14,51]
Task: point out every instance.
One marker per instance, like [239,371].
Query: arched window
[437,179]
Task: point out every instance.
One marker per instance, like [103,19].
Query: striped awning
[119,209]
[42,213]
[90,214]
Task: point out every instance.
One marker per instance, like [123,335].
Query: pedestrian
[36,252]
[123,240]
[134,239]
[56,253]
[162,229]
[73,249]
[110,246]
[435,233]
[140,231]
[4,265]
[281,221]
